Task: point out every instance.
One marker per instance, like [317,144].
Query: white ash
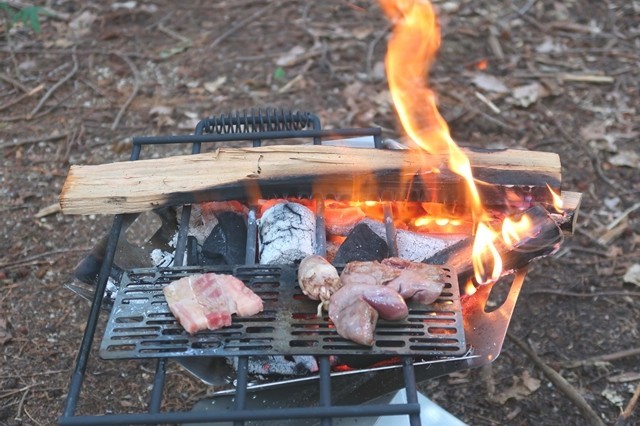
[287,233]
[203,217]
[414,246]
[162,258]
[111,291]
[296,365]
[201,223]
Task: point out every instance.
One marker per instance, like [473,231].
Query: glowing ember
[410,53]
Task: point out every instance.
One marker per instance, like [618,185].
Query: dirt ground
[560,77]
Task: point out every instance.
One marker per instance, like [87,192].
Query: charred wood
[543,239]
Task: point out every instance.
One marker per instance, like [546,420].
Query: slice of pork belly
[184,305]
[207,301]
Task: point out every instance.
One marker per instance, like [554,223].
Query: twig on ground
[560,383]
[19,99]
[602,358]
[36,139]
[14,82]
[623,216]
[55,86]
[238,25]
[576,294]
[41,255]
[488,102]
[24,396]
[372,47]
[624,416]
[134,93]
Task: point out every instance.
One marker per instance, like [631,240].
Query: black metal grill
[142,327]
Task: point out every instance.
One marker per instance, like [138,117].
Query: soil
[117,70]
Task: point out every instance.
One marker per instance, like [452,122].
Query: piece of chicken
[318,280]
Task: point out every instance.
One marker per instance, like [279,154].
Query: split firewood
[503,176]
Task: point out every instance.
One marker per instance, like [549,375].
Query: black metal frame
[254,127]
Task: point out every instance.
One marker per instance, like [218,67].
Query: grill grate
[255,128]
[141,325]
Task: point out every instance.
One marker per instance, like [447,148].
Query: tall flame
[410,53]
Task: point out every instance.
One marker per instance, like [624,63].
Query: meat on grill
[207,301]
[374,273]
[417,281]
[318,279]
[354,310]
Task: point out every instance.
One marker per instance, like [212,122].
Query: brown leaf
[522,387]
[489,83]
[632,276]
[625,159]
[5,334]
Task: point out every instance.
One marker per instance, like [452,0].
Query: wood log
[544,238]
[504,177]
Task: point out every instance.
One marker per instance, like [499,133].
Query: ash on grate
[268,365]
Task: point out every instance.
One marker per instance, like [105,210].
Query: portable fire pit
[454,333]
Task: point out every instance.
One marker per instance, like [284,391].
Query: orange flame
[513,231]
[484,252]
[557,200]
[411,51]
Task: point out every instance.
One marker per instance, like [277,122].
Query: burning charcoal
[340,218]
[267,365]
[413,246]
[204,217]
[227,243]
[354,310]
[362,244]
[287,234]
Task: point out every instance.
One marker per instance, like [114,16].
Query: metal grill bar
[246,415]
[283,134]
[325,411]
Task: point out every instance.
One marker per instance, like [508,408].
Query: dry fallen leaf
[489,83]
[213,86]
[613,397]
[291,56]
[629,376]
[522,386]
[526,95]
[632,276]
[5,334]
[625,159]
[549,45]
[83,23]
